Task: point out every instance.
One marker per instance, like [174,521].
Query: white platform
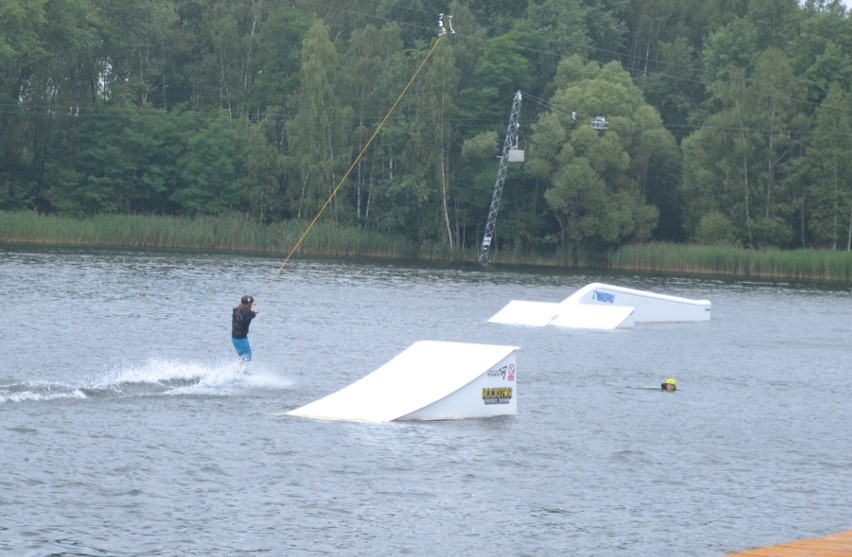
[518,312]
[581,316]
[539,314]
[604,306]
[430,380]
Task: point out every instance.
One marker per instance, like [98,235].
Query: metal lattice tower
[510,154]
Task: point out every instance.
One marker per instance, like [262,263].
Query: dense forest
[723,122]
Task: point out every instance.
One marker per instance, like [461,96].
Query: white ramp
[518,312]
[539,314]
[604,306]
[580,316]
[430,380]
[650,307]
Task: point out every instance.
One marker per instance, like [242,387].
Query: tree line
[706,121]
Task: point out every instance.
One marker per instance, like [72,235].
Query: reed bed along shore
[807,265]
[217,234]
[237,234]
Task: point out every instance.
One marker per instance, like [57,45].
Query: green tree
[234,28]
[740,161]
[715,229]
[477,170]
[60,86]
[190,75]
[675,89]
[21,46]
[597,173]
[779,116]
[819,52]
[605,21]
[560,29]
[216,169]
[318,144]
[126,162]
[373,67]
[278,60]
[495,14]
[343,16]
[775,21]
[418,19]
[829,172]
[728,51]
[20,23]
[432,137]
[136,38]
[720,162]
[504,66]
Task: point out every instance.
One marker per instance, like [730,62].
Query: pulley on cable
[443,30]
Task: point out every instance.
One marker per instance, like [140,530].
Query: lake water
[127,429]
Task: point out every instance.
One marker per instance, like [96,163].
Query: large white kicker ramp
[430,380]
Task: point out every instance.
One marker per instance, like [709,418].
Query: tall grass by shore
[236,234]
[230,233]
[810,265]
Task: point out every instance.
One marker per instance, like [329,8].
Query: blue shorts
[243,348]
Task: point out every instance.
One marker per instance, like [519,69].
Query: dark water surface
[126,427]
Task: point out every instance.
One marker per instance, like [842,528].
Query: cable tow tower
[511,153]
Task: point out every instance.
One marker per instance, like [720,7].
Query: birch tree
[318,136]
[830,172]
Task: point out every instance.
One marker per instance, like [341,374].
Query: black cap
[246,300]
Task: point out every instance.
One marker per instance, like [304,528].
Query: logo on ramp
[497,395]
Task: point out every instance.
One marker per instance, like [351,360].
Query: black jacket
[241,320]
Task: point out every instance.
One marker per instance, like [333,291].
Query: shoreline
[232,234]
[535,262]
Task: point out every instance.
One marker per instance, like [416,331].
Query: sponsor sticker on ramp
[496,395]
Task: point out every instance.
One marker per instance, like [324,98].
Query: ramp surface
[585,316]
[430,380]
[650,307]
[518,312]
[572,315]
[606,307]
